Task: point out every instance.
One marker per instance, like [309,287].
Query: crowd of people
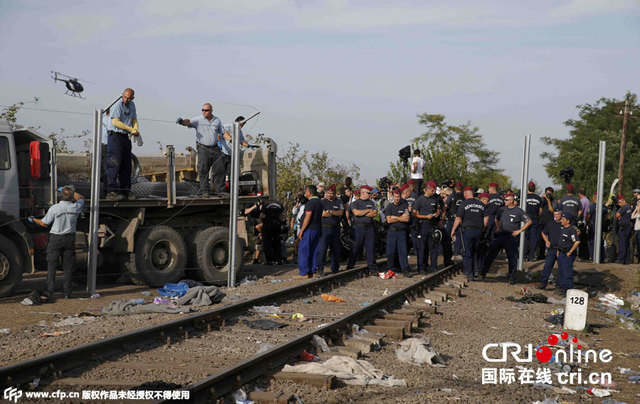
[459,223]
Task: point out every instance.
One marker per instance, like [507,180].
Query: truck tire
[160,256]
[212,254]
[10,266]
[159,189]
[192,271]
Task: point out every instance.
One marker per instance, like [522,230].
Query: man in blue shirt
[62,217]
[124,120]
[509,224]
[363,210]
[332,212]
[551,236]
[310,233]
[533,210]
[397,216]
[495,202]
[472,218]
[209,135]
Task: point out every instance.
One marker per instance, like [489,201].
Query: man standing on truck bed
[62,237]
[124,121]
[209,134]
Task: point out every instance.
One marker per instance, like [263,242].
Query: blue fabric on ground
[173,289]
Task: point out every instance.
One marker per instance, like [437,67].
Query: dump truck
[163,236]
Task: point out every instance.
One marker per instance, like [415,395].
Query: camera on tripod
[384,184]
[567,174]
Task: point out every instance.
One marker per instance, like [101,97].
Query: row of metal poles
[92,262]
[600,188]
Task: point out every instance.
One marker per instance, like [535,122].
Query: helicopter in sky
[74,88]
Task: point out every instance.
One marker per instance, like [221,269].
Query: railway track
[209,339]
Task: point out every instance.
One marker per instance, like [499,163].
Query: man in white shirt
[417,164]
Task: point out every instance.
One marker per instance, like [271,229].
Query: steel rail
[28,370]
[234,377]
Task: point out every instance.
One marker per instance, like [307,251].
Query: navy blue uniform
[308,247]
[365,236]
[552,231]
[425,243]
[495,203]
[397,236]
[271,231]
[592,229]
[571,204]
[453,203]
[532,233]
[624,233]
[568,236]
[510,220]
[472,213]
[330,237]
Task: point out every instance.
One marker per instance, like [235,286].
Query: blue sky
[348,77]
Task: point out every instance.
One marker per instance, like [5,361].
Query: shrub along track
[211,342]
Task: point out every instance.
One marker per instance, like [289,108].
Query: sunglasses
[206,110]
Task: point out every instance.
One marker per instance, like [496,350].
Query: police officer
[533,210]
[397,216]
[209,134]
[62,217]
[571,203]
[495,203]
[441,233]
[452,203]
[426,212]
[624,230]
[471,217]
[508,224]
[332,211]
[591,220]
[483,244]
[310,233]
[567,247]
[363,210]
[551,236]
[271,216]
[124,120]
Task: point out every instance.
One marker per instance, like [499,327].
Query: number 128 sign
[575,310]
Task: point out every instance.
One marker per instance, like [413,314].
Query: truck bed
[180,201]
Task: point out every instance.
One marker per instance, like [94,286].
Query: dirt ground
[480,317]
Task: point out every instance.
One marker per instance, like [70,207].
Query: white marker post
[575,309]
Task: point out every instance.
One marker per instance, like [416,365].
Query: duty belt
[398,228]
[326,226]
[472,228]
[113,132]
[208,147]
[363,225]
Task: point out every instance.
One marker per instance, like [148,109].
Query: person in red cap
[624,230]
[472,219]
[533,208]
[510,222]
[571,203]
[362,212]
[332,211]
[451,206]
[397,216]
[426,213]
[310,233]
[495,203]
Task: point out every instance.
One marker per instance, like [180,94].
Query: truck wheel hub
[219,256]
[161,255]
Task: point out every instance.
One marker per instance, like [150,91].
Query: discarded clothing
[556,319]
[349,370]
[418,351]
[121,307]
[263,324]
[201,296]
[529,299]
[174,289]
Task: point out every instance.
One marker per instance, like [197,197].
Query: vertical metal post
[523,193]
[92,263]
[597,245]
[54,173]
[233,208]
[171,176]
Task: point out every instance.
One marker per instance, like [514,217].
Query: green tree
[596,122]
[453,151]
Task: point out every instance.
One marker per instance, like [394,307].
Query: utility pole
[627,114]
